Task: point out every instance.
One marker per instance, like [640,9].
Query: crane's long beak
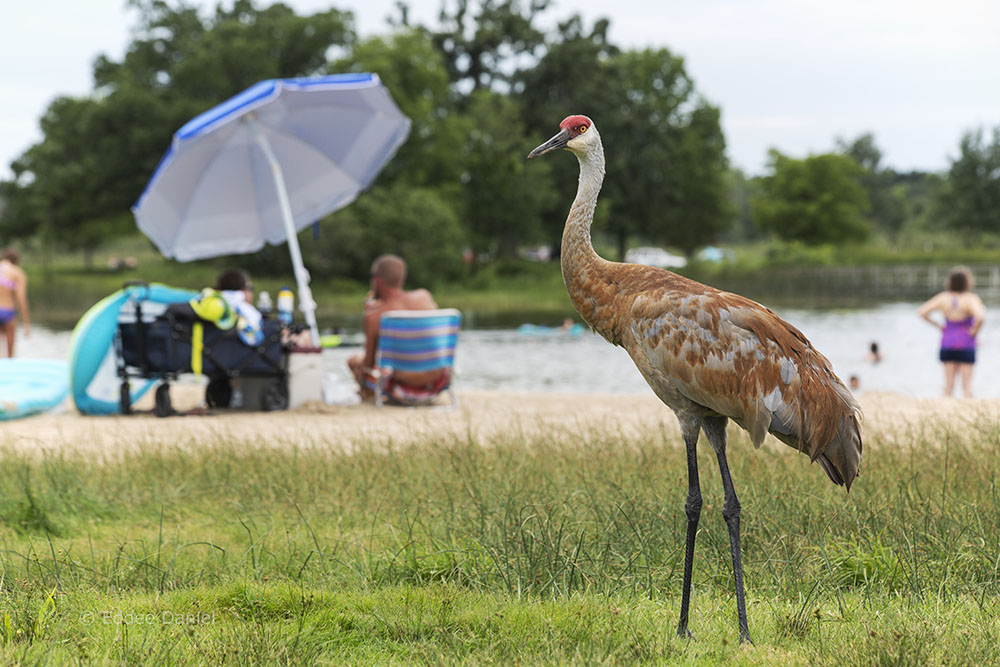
[558,141]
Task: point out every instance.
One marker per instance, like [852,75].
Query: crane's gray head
[575,134]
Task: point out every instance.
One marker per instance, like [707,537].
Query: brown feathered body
[706,352]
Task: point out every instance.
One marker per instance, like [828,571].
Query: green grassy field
[550,550]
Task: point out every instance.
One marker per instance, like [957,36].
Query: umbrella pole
[306,303]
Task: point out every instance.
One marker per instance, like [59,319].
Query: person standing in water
[13,297]
[963,313]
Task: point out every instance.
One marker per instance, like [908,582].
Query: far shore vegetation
[504,292]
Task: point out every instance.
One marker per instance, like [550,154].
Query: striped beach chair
[416,341]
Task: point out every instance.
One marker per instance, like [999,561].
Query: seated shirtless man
[388,273]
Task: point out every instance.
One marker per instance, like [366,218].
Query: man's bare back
[418,299]
[387,293]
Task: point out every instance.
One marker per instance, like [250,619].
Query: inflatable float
[30,386]
[542,330]
[93,340]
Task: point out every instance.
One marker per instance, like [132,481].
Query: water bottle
[264,304]
[286,302]
[236,398]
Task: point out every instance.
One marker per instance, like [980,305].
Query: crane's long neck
[584,272]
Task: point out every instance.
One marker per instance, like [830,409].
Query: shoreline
[481,415]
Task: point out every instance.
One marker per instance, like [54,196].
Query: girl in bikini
[963,316]
[13,297]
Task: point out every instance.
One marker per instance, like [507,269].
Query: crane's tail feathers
[834,442]
[841,458]
[830,470]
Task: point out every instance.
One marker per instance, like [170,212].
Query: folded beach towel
[405,394]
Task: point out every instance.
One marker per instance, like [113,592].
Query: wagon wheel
[125,397]
[274,396]
[163,408]
[218,393]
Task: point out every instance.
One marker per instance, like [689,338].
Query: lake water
[507,360]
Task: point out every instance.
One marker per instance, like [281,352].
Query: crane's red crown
[576,125]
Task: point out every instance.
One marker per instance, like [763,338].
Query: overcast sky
[788,74]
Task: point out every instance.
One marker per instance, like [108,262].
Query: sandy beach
[481,415]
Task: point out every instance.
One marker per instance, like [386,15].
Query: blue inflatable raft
[30,386]
[542,330]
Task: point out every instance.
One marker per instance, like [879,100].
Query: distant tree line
[482,86]
[849,196]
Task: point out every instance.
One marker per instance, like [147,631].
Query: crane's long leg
[690,428]
[715,431]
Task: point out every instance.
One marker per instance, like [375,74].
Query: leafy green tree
[920,192]
[971,200]
[888,206]
[815,200]
[196,62]
[741,191]
[473,157]
[472,86]
[76,186]
[665,150]
[415,223]
[701,211]
[572,77]
[482,40]
[503,199]
[671,186]
[415,73]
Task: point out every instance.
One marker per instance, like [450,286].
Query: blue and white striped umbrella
[268,162]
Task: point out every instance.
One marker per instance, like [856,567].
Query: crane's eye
[581,129]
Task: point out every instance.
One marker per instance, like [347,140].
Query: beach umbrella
[266,163]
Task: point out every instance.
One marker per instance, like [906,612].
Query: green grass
[565,548]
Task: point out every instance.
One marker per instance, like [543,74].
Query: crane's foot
[745,638]
[684,633]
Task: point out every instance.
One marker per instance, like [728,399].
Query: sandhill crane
[711,356]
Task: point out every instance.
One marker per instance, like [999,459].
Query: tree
[76,186]
[815,200]
[414,223]
[862,150]
[503,199]
[920,191]
[741,191]
[701,210]
[888,207]
[473,156]
[971,200]
[666,161]
[481,50]
[572,77]
[197,62]
[473,88]
[415,73]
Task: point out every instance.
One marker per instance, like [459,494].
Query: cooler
[305,376]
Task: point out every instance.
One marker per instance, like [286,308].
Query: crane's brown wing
[741,360]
